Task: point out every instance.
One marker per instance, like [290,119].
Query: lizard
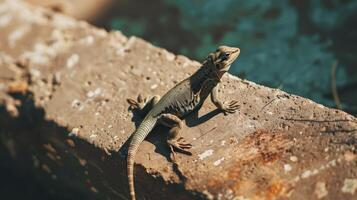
[184,98]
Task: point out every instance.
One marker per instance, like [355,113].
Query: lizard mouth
[234,54]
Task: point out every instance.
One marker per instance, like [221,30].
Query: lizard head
[223,57]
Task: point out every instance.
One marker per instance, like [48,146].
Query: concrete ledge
[71,121]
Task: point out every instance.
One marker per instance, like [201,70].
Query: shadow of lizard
[161,147]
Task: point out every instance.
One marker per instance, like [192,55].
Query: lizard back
[186,96]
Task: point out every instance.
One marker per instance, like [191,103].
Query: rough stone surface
[88,10]
[68,82]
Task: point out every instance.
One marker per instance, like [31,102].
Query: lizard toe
[180,145]
[132,104]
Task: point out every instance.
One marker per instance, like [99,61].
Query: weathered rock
[277,146]
[12,81]
[89,10]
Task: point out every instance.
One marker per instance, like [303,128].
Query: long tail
[143,130]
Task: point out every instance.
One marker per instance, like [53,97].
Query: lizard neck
[208,71]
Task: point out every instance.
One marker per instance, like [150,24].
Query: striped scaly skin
[145,127]
[184,98]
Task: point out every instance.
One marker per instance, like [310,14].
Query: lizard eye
[224,56]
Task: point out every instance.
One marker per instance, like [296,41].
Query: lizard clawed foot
[137,104]
[230,108]
[179,145]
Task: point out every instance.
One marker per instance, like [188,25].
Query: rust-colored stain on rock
[263,146]
[254,172]
[274,190]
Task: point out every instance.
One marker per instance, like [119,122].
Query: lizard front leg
[175,142]
[226,108]
[142,105]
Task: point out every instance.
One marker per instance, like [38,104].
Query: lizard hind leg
[175,142]
[142,105]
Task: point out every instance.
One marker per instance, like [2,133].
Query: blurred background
[303,47]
